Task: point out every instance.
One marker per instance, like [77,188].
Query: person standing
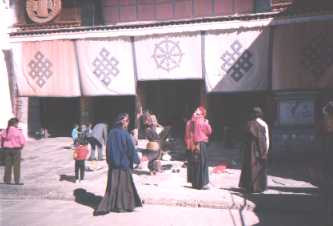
[197,132]
[121,194]
[75,133]
[98,139]
[253,177]
[12,140]
[326,183]
[80,155]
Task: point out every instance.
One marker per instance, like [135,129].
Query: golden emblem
[43,11]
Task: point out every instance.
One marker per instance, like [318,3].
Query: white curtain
[173,56]
[106,67]
[236,60]
[303,56]
[46,68]
[6,111]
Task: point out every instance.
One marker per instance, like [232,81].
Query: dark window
[262,5]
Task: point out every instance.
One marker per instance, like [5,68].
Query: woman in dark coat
[197,133]
[253,176]
[121,194]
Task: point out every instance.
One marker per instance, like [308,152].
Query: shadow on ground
[302,206]
[86,198]
[68,178]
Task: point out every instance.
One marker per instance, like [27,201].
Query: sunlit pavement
[48,169]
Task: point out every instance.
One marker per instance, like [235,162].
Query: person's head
[200,112]
[12,122]
[122,120]
[76,126]
[83,127]
[328,109]
[256,112]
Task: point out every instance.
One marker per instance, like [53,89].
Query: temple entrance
[106,108]
[172,101]
[58,115]
[228,113]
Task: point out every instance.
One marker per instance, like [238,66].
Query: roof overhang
[158,28]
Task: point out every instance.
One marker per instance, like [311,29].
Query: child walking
[80,155]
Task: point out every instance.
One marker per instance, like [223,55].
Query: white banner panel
[46,68]
[173,56]
[237,60]
[303,56]
[6,111]
[106,67]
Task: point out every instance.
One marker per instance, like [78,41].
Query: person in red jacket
[80,155]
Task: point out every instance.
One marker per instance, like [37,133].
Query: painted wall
[115,11]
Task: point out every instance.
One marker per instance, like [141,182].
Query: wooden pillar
[203,95]
[139,102]
[86,111]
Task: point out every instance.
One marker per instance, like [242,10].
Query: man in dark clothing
[121,194]
[326,185]
[253,176]
[98,139]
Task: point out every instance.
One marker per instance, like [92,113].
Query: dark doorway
[106,108]
[228,113]
[59,115]
[172,101]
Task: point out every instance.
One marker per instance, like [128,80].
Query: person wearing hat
[253,177]
[121,194]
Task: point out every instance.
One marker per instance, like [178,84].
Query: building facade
[80,61]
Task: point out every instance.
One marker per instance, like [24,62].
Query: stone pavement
[48,170]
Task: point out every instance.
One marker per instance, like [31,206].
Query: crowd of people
[125,150]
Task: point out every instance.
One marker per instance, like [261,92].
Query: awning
[303,56]
[173,56]
[237,60]
[46,68]
[106,67]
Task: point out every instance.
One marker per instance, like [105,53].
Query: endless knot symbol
[167,55]
[43,11]
[40,68]
[105,67]
[318,56]
[236,64]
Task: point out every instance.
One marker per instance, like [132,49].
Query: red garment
[14,138]
[197,130]
[219,169]
[80,152]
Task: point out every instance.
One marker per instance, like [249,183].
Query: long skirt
[197,168]
[121,194]
[253,176]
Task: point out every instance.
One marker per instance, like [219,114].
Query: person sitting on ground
[80,154]
[152,152]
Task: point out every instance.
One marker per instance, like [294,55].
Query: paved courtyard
[48,170]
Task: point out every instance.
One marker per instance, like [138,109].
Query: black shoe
[19,183]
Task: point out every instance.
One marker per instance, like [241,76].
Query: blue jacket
[121,153]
